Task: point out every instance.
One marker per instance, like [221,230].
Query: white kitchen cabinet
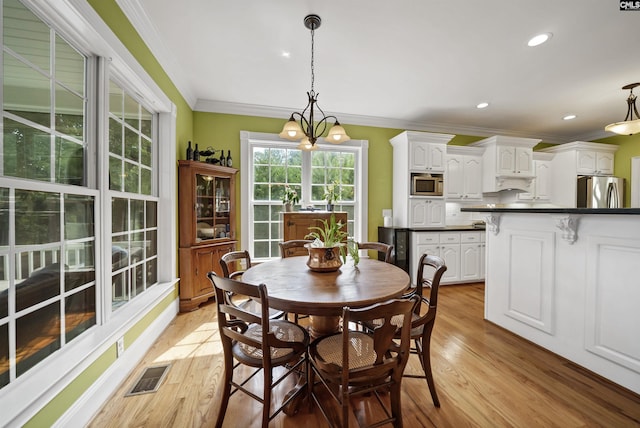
[471,256]
[463,177]
[507,163]
[514,161]
[427,157]
[426,212]
[416,152]
[594,162]
[462,252]
[573,159]
[541,186]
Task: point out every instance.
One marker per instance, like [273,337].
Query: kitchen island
[568,279]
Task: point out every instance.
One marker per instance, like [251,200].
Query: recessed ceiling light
[539,39]
[482,105]
[286,54]
[569,117]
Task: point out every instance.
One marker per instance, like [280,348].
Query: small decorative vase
[324,259]
[329,207]
[288,207]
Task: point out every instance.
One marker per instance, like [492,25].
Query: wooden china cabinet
[207,227]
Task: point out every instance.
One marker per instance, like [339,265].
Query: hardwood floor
[485,377]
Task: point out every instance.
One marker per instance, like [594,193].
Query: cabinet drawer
[466,237]
[426,238]
[449,238]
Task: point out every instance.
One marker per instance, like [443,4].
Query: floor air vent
[150,380]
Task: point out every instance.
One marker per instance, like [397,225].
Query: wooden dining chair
[430,270]
[255,340]
[385,251]
[294,247]
[233,265]
[354,363]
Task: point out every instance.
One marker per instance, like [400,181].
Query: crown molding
[214,106]
[135,13]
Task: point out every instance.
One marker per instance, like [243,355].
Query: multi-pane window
[273,169]
[134,223]
[43,101]
[47,229]
[338,170]
[51,288]
[276,165]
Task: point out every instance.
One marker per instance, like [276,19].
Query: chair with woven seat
[255,340]
[233,265]
[294,247]
[385,251]
[354,363]
[430,270]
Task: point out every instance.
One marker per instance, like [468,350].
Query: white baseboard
[86,407]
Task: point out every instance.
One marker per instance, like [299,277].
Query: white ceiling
[409,64]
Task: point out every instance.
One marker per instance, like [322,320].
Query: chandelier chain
[312,54]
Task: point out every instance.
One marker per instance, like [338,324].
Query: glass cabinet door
[205,207]
[222,207]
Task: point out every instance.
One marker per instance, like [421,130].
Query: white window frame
[250,139]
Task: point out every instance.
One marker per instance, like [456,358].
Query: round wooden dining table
[293,287]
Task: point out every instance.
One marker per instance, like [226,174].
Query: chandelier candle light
[306,130]
[630,125]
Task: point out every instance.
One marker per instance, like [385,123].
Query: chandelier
[629,125]
[306,129]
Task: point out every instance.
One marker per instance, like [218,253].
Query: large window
[134,225]
[53,288]
[47,228]
[269,164]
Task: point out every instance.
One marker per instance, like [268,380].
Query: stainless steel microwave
[427,184]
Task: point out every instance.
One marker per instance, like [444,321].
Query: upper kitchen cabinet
[577,158]
[418,153]
[595,162]
[507,163]
[427,157]
[541,186]
[421,151]
[463,176]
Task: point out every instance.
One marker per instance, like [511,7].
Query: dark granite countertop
[464,228]
[515,208]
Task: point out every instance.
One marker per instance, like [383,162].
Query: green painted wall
[222,131]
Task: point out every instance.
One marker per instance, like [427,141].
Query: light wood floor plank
[485,376]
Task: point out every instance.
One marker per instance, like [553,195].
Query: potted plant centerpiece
[290,198]
[328,245]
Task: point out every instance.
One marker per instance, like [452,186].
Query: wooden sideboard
[295,225]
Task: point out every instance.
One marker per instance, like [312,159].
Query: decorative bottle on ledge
[189,152]
[229,161]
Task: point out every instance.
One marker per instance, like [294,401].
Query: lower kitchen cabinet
[463,253]
[195,263]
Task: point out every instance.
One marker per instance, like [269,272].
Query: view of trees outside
[133,216]
[277,167]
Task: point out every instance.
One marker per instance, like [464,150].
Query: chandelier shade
[629,125]
[305,126]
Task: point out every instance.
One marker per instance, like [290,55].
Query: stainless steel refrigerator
[600,192]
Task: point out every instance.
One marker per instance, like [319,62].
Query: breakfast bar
[567,279]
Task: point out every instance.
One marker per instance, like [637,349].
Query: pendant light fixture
[630,125]
[304,128]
